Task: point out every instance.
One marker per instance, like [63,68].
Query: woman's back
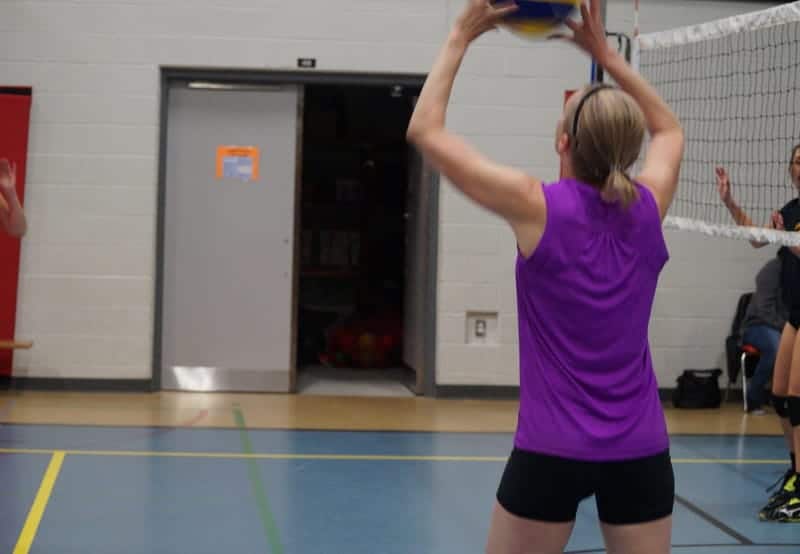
[584,297]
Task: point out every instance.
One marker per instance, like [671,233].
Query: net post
[624,45]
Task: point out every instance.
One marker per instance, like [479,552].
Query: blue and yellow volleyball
[537,19]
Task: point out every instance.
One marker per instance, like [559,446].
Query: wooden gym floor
[280,474]
[278,411]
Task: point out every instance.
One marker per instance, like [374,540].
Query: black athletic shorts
[548,488]
[790,283]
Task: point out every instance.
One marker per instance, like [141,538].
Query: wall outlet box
[482,328]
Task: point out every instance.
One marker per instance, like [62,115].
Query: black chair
[742,358]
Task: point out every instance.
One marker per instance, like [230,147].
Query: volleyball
[537,19]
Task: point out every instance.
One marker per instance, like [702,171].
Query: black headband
[586,96]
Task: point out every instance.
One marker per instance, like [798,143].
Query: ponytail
[619,187]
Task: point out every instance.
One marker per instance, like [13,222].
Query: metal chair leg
[744,380]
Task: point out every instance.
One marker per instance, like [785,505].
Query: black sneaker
[789,511]
[788,488]
[782,480]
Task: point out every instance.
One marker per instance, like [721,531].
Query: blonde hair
[606,128]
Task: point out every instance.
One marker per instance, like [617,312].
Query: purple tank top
[587,386]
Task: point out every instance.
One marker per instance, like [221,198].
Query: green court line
[335,457]
[257,484]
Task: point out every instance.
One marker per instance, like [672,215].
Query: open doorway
[354,250]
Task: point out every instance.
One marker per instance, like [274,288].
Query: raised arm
[739,215]
[510,193]
[505,191]
[663,158]
[12,216]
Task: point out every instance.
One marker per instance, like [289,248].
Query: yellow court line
[732,461]
[334,457]
[39,504]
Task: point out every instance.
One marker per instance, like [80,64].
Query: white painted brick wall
[87,266]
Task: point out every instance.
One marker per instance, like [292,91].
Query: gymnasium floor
[169,473]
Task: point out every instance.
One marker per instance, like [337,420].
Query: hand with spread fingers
[480,16]
[589,34]
[12,216]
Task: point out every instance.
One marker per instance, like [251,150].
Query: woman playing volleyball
[590,250]
[785,505]
[12,217]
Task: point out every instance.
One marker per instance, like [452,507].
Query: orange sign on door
[238,162]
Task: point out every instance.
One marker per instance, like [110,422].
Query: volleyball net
[735,85]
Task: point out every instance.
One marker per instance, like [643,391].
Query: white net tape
[734,84]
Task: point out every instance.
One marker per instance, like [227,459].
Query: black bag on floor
[698,389]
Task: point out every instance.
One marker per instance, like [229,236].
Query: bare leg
[644,538]
[510,534]
[787,363]
[794,391]
[796,448]
[780,376]
[783,361]
[788,434]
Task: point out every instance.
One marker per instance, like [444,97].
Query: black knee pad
[794,316]
[781,405]
[794,411]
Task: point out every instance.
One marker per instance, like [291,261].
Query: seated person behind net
[761,327]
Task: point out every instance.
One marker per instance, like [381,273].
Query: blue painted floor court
[190,490]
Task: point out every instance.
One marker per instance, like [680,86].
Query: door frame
[172,77]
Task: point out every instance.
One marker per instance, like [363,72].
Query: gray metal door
[227,296]
[419,299]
